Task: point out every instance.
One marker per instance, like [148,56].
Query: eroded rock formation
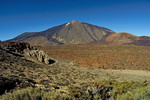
[15,47]
[39,55]
[26,50]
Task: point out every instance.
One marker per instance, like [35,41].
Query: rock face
[24,49]
[39,55]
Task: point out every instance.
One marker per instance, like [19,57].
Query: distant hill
[127,38]
[73,32]
[143,41]
[121,38]
[76,32]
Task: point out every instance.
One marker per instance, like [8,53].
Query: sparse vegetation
[65,80]
[100,90]
[104,56]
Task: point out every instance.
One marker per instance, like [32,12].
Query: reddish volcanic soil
[104,56]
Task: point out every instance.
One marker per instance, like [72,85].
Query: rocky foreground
[25,79]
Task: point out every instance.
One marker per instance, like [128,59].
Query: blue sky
[19,16]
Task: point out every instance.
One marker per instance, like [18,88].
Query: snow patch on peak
[67,24]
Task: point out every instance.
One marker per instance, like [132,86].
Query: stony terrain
[106,56]
[22,79]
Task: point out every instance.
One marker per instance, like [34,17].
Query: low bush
[96,91]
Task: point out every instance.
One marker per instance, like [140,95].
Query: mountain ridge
[76,32]
[73,32]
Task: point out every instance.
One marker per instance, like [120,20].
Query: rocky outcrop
[26,50]
[16,47]
[39,55]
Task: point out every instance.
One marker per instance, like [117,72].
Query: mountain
[127,38]
[76,32]
[121,38]
[73,32]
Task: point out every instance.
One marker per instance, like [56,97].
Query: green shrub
[126,96]
[118,91]
[34,94]
[24,94]
[142,93]
[136,94]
